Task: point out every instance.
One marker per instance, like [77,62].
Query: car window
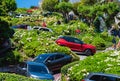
[75,40]
[44,29]
[36,68]
[78,41]
[51,58]
[69,39]
[108,78]
[58,56]
[95,77]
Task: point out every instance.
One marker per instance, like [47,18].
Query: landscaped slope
[105,62]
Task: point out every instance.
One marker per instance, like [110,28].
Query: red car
[76,45]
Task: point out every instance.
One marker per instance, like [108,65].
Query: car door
[75,44]
[50,62]
[60,61]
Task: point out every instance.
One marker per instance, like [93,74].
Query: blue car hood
[42,76]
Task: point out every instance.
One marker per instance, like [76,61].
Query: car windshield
[72,39]
[38,69]
[40,58]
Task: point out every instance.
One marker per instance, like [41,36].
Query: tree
[75,6]
[65,0]
[106,10]
[88,2]
[7,6]
[49,5]
[64,8]
[21,10]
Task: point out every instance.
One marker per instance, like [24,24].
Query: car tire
[88,52]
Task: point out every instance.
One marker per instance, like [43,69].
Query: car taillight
[82,80]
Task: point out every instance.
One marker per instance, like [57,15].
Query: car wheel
[88,52]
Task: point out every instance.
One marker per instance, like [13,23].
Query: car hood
[41,76]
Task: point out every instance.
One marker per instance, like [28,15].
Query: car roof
[50,54]
[35,63]
[67,37]
[105,74]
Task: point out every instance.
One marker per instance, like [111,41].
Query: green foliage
[75,6]
[64,7]
[99,42]
[88,38]
[7,6]
[92,12]
[5,30]
[65,0]
[31,44]
[11,57]
[48,5]
[14,77]
[88,2]
[21,10]
[105,62]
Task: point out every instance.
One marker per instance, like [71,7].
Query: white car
[42,28]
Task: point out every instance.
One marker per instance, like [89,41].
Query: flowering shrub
[30,44]
[106,62]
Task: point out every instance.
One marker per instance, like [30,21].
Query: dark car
[54,61]
[38,71]
[76,45]
[101,77]
[21,26]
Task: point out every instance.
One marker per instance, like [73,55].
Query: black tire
[88,52]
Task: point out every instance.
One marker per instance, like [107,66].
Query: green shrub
[99,42]
[14,77]
[105,62]
[31,44]
[88,38]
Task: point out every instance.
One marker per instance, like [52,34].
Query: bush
[99,43]
[30,44]
[14,77]
[88,38]
[105,62]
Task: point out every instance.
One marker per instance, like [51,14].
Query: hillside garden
[28,44]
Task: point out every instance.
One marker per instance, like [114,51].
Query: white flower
[109,65]
[107,69]
[77,65]
[115,53]
[68,78]
[98,62]
[84,74]
[118,64]
[84,70]
[69,69]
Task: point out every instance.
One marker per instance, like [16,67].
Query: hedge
[14,77]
